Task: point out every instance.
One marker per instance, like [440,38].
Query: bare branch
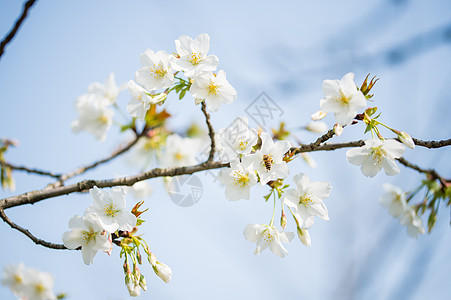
[113,155]
[211,133]
[36,196]
[432,144]
[29,170]
[16,27]
[36,240]
[430,172]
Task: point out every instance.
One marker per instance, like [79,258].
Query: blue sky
[283,48]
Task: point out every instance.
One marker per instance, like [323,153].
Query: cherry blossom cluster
[101,226]
[395,199]
[28,283]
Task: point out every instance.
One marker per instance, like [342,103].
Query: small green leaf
[182,94]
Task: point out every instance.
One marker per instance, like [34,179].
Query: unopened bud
[317,127]
[163,271]
[304,236]
[406,139]
[338,129]
[318,115]
[283,220]
[143,283]
[159,99]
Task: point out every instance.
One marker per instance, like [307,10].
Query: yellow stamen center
[344,100]
[213,89]
[39,288]
[89,236]
[306,199]
[178,156]
[140,97]
[110,210]
[103,119]
[242,144]
[378,154]
[241,179]
[195,58]
[157,71]
[267,236]
[18,278]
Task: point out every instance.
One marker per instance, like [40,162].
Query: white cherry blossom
[375,155]
[108,90]
[268,236]
[238,179]
[304,236]
[214,89]
[87,233]
[413,222]
[140,102]
[156,72]
[180,151]
[15,278]
[39,286]
[317,127]
[342,98]
[94,115]
[307,199]
[193,55]
[394,199]
[236,139]
[406,139]
[268,161]
[111,210]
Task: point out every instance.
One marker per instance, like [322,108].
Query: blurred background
[283,48]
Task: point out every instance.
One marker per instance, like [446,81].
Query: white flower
[238,179]
[180,151]
[413,222]
[338,129]
[317,127]
[86,233]
[15,277]
[319,115]
[268,161]
[376,154]
[394,199]
[307,199]
[94,115]
[342,98]
[156,72]
[268,236]
[39,286]
[406,139]
[108,90]
[134,289]
[304,236]
[140,102]
[236,139]
[214,89]
[111,209]
[193,55]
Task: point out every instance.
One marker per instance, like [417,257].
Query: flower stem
[273,211]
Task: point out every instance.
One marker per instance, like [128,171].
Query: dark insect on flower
[267,160]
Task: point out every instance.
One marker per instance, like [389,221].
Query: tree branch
[16,27]
[36,240]
[432,144]
[430,172]
[34,171]
[211,133]
[36,196]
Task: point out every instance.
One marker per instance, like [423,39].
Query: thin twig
[36,196]
[16,27]
[36,240]
[431,172]
[211,133]
[29,170]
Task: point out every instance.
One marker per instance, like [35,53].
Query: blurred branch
[16,27]
[36,240]
[432,144]
[211,133]
[29,170]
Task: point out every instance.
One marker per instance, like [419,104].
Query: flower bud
[318,115]
[163,271]
[317,127]
[338,129]
[406,139]
[304,236]
[143,283]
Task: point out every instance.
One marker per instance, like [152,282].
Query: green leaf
[182,94]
